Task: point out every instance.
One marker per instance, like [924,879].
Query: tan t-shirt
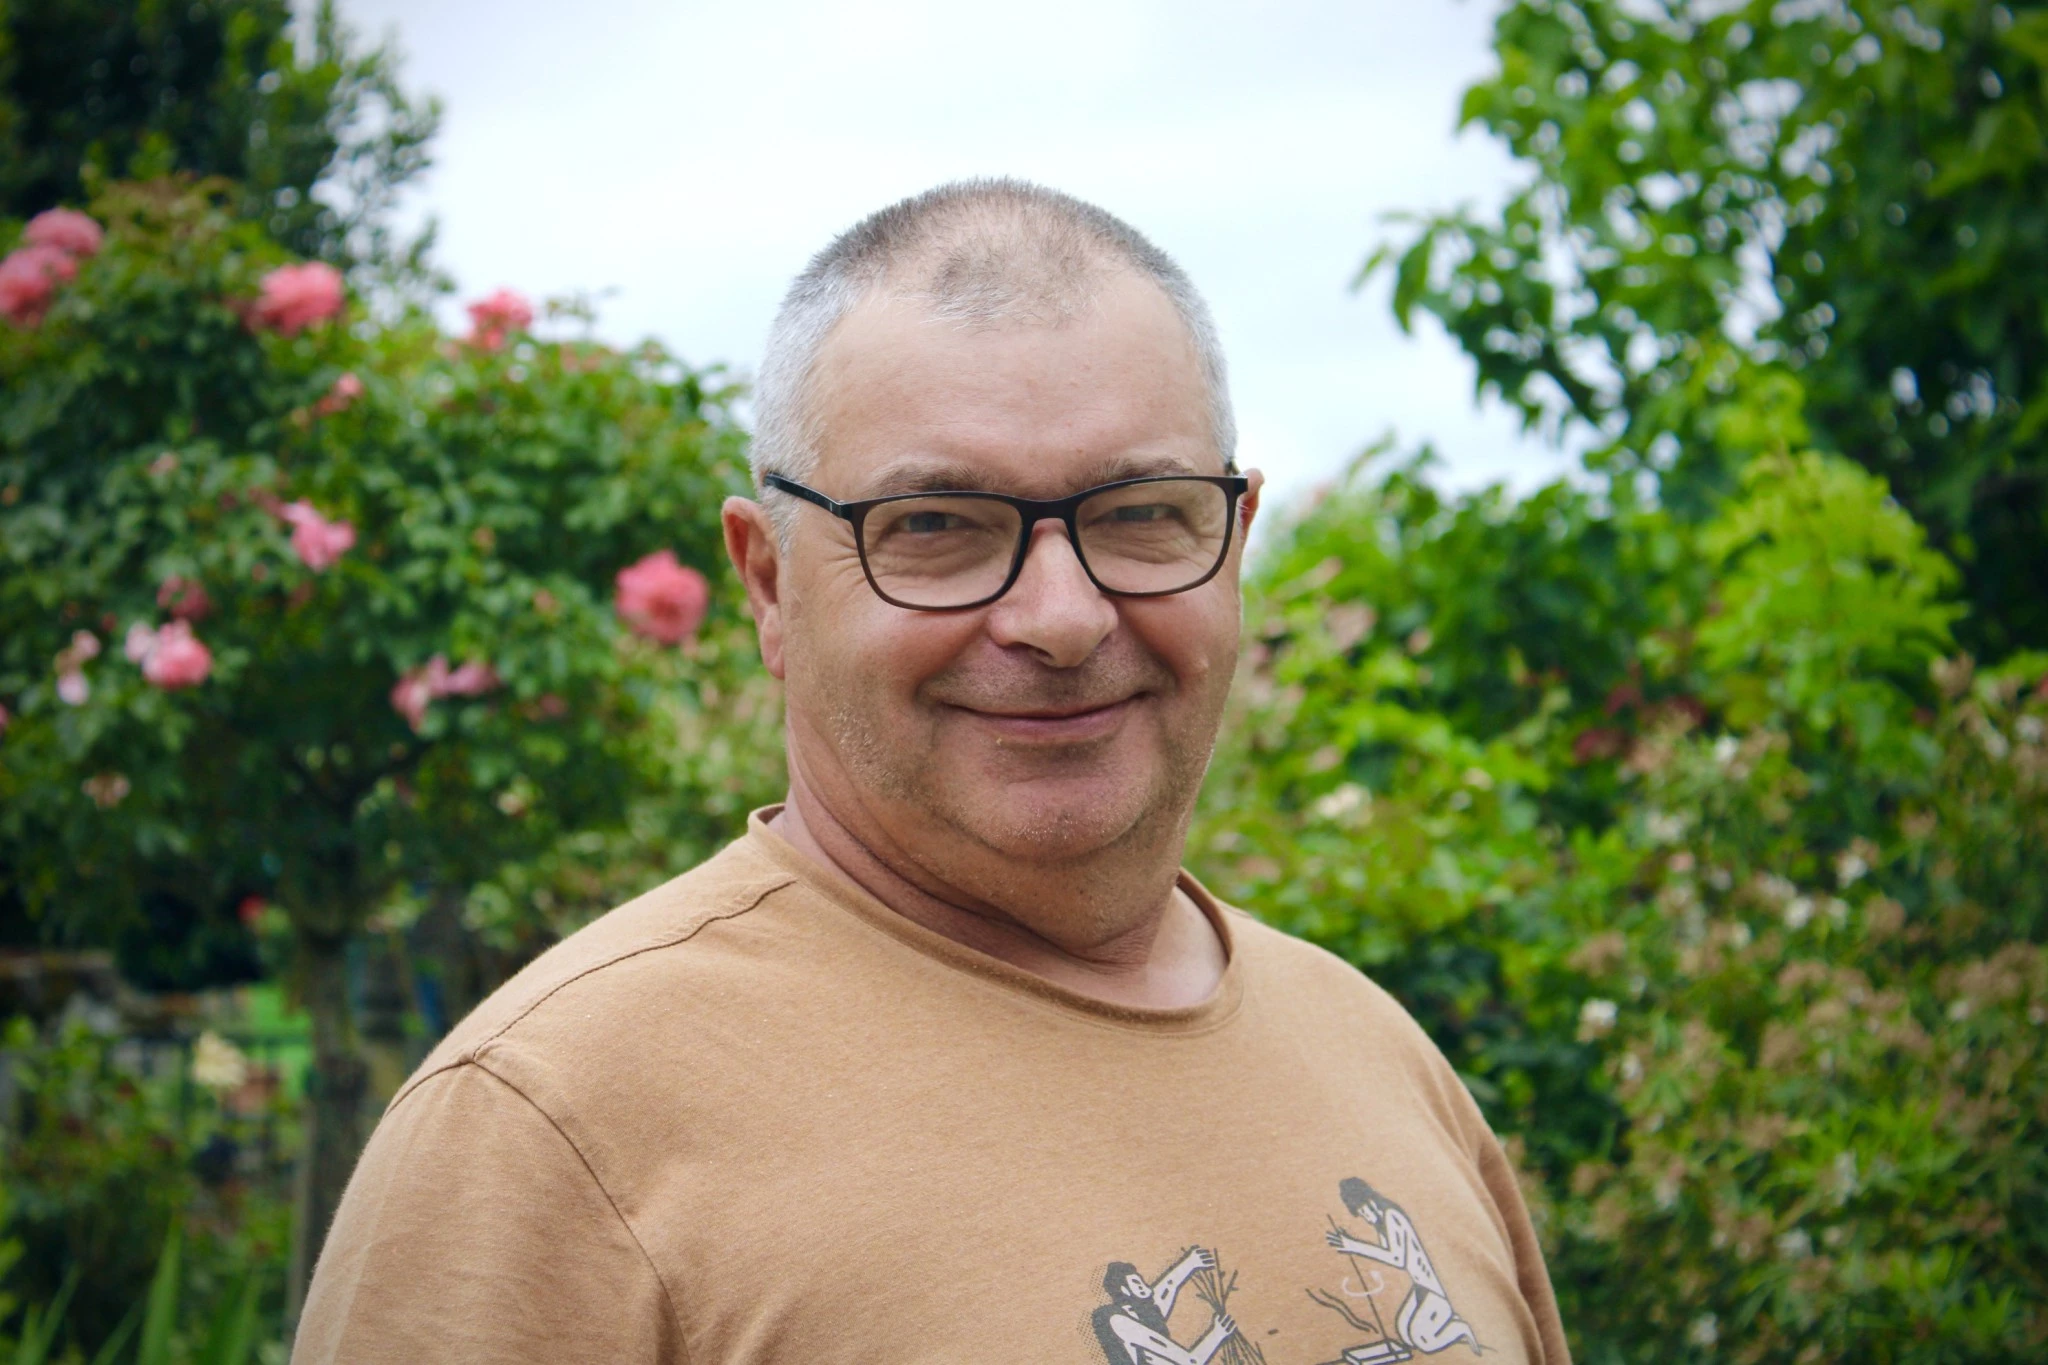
[755,1116]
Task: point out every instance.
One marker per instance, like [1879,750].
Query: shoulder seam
[475,1051]
[668,1297]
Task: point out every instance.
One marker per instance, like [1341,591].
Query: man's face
[1057,720]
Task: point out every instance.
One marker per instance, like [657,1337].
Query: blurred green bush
[1745,956]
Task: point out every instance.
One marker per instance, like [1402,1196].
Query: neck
[1159,952]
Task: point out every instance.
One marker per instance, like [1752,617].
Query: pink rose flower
[68,230]
[496,316]
[72,688]
[419,687]
[84,646]
[297,296]
[345,391]
[413,690]
[662,600]
[175,658]
[317,541]
[184,598]
[472,679]
[28,281]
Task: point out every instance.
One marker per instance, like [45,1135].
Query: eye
[1143,511]
[930,523]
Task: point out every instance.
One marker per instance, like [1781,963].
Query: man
[902,1072]
[1425,1322]
[1132,1327]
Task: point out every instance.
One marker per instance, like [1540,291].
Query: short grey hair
[981,252]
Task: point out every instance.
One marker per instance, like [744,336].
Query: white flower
[1798,912]
[1342,802]
[141,642]
[1844,1175]
[1596,1019]
[1664,828]
[1795,1245]
[2029,729]
[1725,749]
[218,1064]
[72,688]
[1705,1330]
[1850,867]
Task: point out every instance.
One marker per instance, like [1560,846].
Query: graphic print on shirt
[1135,1326]
[1425,1322]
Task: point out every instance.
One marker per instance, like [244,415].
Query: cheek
[1193,634]
[851,643]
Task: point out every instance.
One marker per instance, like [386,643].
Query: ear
[757,555]
[1248,505]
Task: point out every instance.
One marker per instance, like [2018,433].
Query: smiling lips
[1056,725]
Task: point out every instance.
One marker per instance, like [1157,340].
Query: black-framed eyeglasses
[948,551]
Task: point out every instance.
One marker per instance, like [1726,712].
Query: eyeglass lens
[948,550]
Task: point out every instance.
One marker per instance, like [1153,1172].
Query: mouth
[1055,724]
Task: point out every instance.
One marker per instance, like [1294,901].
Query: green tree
[319,143]
[1760,225]
[336,614]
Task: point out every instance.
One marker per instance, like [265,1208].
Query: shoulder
[1315,989]
[590,962]
[1279,960]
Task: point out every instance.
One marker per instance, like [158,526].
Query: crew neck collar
[843,892]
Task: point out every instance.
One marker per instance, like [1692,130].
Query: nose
[1053,609]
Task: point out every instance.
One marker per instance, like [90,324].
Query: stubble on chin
[1010,806]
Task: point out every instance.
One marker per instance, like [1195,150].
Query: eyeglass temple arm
[812,495]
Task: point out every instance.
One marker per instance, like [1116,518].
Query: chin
[1055,821]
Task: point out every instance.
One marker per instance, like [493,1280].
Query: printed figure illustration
[1132,1326]
[1425,1322]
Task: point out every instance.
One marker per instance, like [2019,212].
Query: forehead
[905,400]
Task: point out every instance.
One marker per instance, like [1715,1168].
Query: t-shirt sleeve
[472,1230]
[1532,1276]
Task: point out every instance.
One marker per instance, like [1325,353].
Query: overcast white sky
[685,159]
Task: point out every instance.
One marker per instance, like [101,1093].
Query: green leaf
[160,1318]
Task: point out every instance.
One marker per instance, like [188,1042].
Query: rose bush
[384,641]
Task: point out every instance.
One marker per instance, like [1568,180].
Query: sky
[682,161]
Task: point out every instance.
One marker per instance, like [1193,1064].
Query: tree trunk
[336,1089]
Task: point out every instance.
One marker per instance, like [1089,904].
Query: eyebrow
[916,474]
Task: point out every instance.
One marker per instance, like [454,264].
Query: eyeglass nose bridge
[1064,513]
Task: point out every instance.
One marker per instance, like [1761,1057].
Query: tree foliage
[318,143]
[1757,225]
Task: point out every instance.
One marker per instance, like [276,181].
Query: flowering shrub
[1754,981]
[364,580]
